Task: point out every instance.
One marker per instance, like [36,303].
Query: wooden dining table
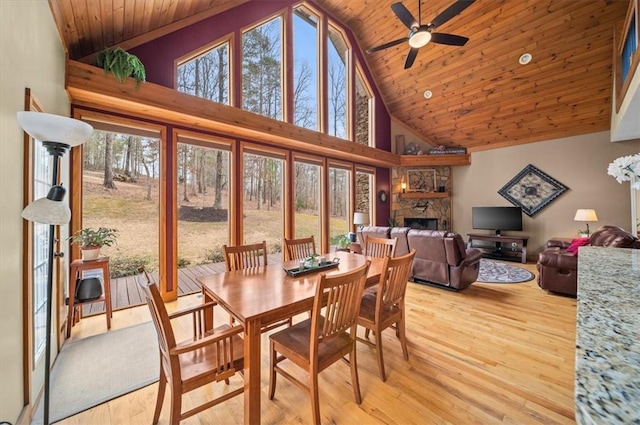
[263,295]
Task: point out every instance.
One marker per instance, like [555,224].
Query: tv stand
[514,250]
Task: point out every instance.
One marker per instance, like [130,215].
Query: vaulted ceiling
[482,97]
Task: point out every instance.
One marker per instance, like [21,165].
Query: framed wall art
[421,180]
[532,189]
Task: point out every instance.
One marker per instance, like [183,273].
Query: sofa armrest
[559,243]
[557,258]
[473,255]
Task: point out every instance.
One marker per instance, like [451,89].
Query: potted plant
[341,242]
[92,240]
[121,64]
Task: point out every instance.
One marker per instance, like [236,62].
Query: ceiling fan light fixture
[419,39]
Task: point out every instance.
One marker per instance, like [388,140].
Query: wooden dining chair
[318,342]
[241,257]
[384,309]
[295,249]
[206,357]
[380,247]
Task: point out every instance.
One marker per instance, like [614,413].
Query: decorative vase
[90,253]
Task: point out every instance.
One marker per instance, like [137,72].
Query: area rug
[496,272]
[99,368]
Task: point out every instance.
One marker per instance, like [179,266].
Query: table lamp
[360,219]
[586,215]
[51,210]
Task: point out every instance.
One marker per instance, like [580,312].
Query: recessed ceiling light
[428,94]
[525,58]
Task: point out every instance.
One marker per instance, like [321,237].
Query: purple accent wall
[383,183]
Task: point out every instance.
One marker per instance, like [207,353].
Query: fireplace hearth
[421,223]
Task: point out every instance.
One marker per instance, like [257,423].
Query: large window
[339,201]
[263,206]
[306,75]
[120,190]
[307,182]
[262,69]
[207,75]
[337,84]
[305,72]
[203,201]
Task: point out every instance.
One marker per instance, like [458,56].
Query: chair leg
[313,392]
[272,371]
[176,404]
[403,338]
[355,382]
[162,386]
[366,332]
[379,353]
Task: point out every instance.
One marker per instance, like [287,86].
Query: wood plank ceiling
[482,97]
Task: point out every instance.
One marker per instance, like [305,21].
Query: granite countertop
[607,379]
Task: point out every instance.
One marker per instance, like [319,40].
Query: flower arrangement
[626,168]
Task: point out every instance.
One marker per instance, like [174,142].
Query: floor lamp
[52,210]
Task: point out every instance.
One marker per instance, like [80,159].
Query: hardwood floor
[492,354]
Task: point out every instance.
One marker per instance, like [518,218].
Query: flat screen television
[497,218]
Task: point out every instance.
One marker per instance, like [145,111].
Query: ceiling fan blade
[411,57]
[450,12]
[387,45]
[404,15]
[449,39]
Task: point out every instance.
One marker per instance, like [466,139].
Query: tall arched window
[262,69]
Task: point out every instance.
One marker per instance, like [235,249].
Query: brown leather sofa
[558,268]
[441,257]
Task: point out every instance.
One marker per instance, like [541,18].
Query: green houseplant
[92,240]
[341,242]
[121,64]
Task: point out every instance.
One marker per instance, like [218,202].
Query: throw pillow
[576,243]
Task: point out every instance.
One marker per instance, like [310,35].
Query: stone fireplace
[434,207]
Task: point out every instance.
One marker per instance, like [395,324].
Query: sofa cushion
[372,231]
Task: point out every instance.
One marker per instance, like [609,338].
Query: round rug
[495,272]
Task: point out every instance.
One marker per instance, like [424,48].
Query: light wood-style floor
[492,354]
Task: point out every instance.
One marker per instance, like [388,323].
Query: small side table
[355,247]
[77,267]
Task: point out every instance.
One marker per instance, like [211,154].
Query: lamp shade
[49,210]
[585,215]
[360,218]
[54,128]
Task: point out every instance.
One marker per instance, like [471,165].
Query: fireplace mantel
[424,195]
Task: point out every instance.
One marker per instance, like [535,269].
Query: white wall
[579,162]
[31,55]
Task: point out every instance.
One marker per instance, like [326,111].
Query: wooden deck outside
[125,292]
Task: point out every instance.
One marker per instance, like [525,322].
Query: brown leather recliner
[443,259]
[558,268]
[372,232]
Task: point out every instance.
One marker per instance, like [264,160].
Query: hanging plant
[121,64]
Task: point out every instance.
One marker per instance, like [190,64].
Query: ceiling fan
[420,35]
